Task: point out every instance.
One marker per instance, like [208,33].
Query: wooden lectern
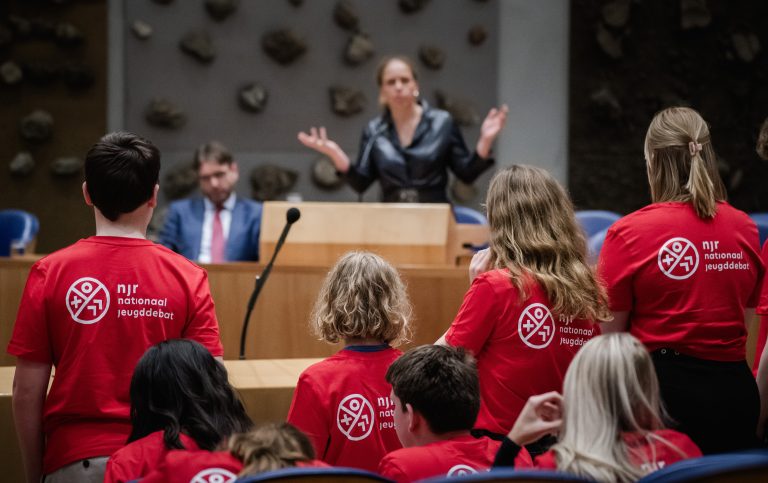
[403,233]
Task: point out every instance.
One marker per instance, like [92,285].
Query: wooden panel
[403,233]
[279,324]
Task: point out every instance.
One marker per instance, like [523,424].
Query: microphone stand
[261,279]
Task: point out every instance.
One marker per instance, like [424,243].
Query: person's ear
[86,196]
[413,417]
[153,200]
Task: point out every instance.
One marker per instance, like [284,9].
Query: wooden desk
[265,386]
[279,324]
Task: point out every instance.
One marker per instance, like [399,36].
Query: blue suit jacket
[183,229]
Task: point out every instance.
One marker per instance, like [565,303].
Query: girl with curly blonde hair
[342,403]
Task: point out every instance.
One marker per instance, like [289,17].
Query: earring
[416,93]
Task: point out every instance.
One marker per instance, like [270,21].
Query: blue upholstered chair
[594,245]
[742,467]
[761,220]
[594,221]
[468,216]
[315,475]
[17,230]
[501,475]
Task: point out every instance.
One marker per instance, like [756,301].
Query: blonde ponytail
[682,165]
[701,188]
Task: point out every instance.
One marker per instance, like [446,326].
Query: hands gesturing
[542,414]
[317,139]
[492,125]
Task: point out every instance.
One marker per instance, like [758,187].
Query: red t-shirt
[92,310]
[139,458]
[342,403]
[650,454]
[522,348]
[685,280]
[203,467]
[762,311]
[454,457]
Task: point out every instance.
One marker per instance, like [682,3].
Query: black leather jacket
[418,172]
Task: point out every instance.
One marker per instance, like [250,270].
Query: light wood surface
[265,386]
[402,233]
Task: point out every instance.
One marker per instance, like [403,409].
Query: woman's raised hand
[542,414]
[492,125]
[317,139]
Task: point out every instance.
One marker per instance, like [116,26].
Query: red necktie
[217,239]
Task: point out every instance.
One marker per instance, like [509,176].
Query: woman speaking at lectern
[411,145]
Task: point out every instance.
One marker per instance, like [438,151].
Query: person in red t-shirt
[91,310]
[608,420]
[526,318]
[268,447]
[437,397]
[342,402]
[761,354]
[180,399]
[682,276]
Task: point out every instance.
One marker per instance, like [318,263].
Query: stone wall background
[718,65]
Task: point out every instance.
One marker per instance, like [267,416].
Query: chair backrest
[468,216]
[744,467]
[315,475]
[594,221]
[502,475]
[18,228]
[761,220]
[594,245]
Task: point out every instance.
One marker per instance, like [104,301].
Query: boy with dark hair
[91,310]
[436,395]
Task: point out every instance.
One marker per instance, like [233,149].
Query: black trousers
[715,403]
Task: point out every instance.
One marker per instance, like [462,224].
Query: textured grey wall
[299,92]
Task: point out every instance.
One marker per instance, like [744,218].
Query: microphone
[291,217]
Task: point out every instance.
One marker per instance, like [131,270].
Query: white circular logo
[678,258]
[461,470]
[536,326]
[214,475]
[87,300]
[355,417]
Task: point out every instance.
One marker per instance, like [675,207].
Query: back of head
[270,447]
[610,388]
[178,386]
[121,171]
[441,383]
[362,297]
[212,151]
[534,232]
[682,164]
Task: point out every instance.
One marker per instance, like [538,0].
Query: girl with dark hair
[180,399]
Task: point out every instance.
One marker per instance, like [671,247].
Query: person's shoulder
[681,440]
[436,115]
[134,451]
[179,261]
[249,204]
[725,210]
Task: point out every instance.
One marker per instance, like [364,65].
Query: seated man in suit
[220,226]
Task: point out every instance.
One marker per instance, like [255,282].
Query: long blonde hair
[682,164]
[269,447]
[610,388]
[363,296]
[534,233]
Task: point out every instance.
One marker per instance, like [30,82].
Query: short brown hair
[362,297]
[211,151]
[441,383]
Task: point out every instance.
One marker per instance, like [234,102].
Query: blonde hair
[534,233]
[362,297]
[270,447]
[609,388]
[679,170]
